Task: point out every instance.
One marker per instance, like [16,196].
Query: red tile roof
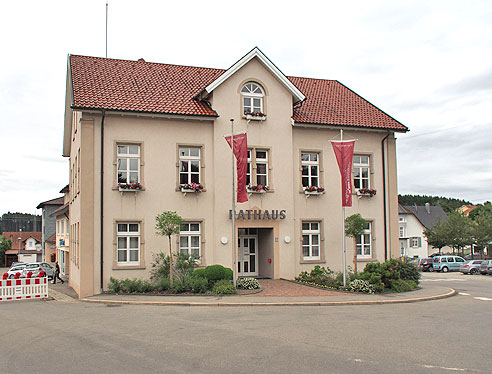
[56,201]
[139,86]
[14,236]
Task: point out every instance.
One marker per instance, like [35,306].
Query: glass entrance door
[247,262]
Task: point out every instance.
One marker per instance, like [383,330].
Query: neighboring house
[50,249]
[466,209]
[163,126]
[62,237]
[413,220]
[26,247]
[48,221]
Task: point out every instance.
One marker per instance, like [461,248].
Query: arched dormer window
[252,99]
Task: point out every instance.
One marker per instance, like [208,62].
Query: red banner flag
[241,153]
[344,152]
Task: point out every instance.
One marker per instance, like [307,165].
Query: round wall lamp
[287,239]
[224,240]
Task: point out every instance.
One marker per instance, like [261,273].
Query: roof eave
[255,52]
[68,111]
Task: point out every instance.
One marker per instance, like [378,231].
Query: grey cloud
[472,85]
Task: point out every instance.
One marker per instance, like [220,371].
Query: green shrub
[130,286]
[216,273]
[162,284]
[248,284]
[199,273]
[183,266]
[223,287]
[199,285]
[182,284]
[401,285]
[409,271]
[160,267]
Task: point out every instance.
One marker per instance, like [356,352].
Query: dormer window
[252,100]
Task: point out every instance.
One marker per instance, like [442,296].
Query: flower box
[366,192]
[257,188]
[129,187]
[313,190]
[255,116]
[191,188]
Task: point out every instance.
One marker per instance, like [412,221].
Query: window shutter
[420,242]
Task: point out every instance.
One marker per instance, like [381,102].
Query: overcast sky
[426,63]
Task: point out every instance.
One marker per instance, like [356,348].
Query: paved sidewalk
[280,293]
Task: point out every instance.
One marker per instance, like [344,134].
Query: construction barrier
[23,288]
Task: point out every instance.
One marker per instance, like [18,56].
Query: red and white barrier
[23,288]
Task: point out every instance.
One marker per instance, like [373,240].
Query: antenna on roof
[106,28]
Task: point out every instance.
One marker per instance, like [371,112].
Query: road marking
[464,293]
[483,298]
[443,368]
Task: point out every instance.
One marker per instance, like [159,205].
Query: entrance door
[247,262]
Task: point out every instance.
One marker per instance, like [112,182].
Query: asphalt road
[443,336]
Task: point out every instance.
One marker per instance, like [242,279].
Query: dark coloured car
[425,264]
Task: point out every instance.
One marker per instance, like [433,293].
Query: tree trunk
[355,260]
[171,262]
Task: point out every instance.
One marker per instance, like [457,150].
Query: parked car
[484,265]
[425,264]
[36,267]
[471,267]
[447,263]
[489,269]
[18,268]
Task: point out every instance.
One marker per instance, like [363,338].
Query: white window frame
[252,172]
[187,234]
[359,165]
[414,242]
[310,163]
[251,91]
[310,233]
[364,241]
[185,158]
[127,156]
[128,234]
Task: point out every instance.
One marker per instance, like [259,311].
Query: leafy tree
[167,224]
[5,244]
[486,208]
[481,230]
[459,231]
[438,234]
[354,227]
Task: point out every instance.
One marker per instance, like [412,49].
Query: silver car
[36,267]
[18,268]
[484,265]
[471,267]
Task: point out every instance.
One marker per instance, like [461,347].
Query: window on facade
[128,162]
[128,243]
[257,173]
[252,98]
[415,242]
[310,169]
[190,239]
[364,242]
[189,165]
[402,232]
[361,171]
[311,240]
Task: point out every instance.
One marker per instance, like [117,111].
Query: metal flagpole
[234,266]
[106,29]
[343,233]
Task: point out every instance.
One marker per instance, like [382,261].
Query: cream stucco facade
[278,238]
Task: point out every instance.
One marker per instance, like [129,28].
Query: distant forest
[447,204]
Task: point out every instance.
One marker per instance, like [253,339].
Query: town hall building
[143,138]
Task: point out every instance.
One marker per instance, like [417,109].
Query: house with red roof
[144,137]
[26,247]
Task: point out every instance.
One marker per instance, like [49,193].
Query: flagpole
[234,266]
[343,234]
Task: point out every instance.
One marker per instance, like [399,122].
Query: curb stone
[451,293]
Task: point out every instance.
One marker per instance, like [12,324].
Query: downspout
[385,208]
[103,113]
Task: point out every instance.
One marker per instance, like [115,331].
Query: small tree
[354,227]
[459,231]
[481,229]
[437,235]
[167,224]
[5,244]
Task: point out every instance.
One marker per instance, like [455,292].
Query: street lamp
[20,238]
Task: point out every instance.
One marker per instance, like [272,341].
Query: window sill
[364,194]
[366,259]
[319,261]
[129,267]
[254,118]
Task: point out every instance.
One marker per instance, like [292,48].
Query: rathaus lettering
[259,214]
